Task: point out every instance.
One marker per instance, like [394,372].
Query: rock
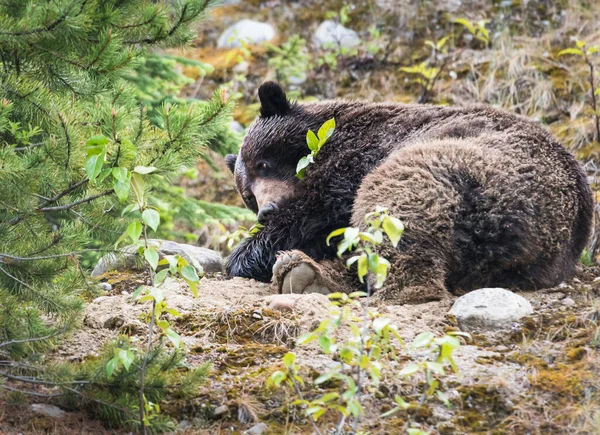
[219,411]
[241,68]
[48,410]
[105,286]
[236,126]
[210,260]
[568,302]
[257,429]
[490,308]
[248,31]
[332,34]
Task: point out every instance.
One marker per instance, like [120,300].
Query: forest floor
[539,377]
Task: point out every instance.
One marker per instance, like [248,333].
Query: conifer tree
[72,130]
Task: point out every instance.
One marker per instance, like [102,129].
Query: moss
[483,408]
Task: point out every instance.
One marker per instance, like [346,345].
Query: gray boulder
[248,31]
[332,34]
[210,260]
[490,309]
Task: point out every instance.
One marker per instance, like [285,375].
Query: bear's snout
[265,211]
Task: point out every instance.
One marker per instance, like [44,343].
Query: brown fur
[488,198]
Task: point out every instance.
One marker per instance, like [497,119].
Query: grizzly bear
[487,198]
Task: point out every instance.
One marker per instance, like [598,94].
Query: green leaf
[143,170]
[152,218]
[410,369]
[160,276]
[423,339]
[126,356]
[362,267]
[435,367]
[325,343]
[312,141]
[335,233]
[326,131]
[574,51]
[402,404]
[103,174]
[134,231]
[302,165]
[121,189]
[193,288]
[93,166]
[137,292]
[289,359]
[189,274]
[138,184]
[112,365]
[151,257]
[306,338]
[173,337]
[466,23]
[120,174]
[129,209]
[394,228]
[379,323]
[97,140]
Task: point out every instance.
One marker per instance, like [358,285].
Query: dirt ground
[539,377]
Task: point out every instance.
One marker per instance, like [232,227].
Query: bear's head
[265,168]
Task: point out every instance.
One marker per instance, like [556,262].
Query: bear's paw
[296,272]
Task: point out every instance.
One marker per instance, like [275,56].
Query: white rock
[105,286]
[248,31]
[210,260]
[332,34]
[568,302]
[257,429]
[490,308]
[48,410]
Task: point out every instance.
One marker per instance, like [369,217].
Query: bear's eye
[262,166]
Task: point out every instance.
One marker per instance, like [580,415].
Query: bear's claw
[295,272]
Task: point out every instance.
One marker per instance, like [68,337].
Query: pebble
[105,286]
[257,429]
[568,302]
[220,411]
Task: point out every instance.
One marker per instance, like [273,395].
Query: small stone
[236,126]
[241,68]
[257,315]
[257,429]
[568,302]
[330,34]
[48,410]
[282,303]
[563,285]
[105,286]
[183,425]
[597,279]
[247,31]
[490,309]
[220,411]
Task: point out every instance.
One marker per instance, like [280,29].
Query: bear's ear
[272,100]
[230,160]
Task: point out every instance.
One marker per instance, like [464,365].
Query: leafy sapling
[315,142]
[363,243]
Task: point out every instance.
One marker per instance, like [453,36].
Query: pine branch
[76,203]
[49,27]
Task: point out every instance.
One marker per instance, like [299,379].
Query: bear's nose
[265,211]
